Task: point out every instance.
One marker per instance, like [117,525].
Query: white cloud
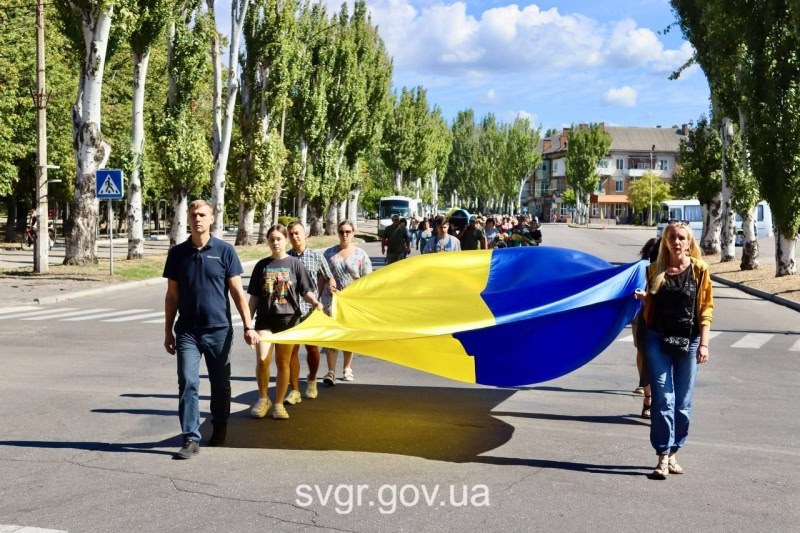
[620,97]
[491,95]
[525,115]
[442,38]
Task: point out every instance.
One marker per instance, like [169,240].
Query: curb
[46,300]
[611,227]
[758,293]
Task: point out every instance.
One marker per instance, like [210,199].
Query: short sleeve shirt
[280,285]
[438,244]
[345,271]
[397,237]
[202,277]
[317,266]
[472,239]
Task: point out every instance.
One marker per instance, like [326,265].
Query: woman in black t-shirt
[276,286]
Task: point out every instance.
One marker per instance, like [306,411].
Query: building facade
[633,152]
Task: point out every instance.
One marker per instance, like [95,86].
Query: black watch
[249,328]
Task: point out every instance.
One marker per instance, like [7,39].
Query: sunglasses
[681,222]
[345,232]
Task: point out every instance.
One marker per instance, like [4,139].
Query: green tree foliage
[641,198]
[699,171]
[568,197]
[586,146]
[521,158]
[399,142]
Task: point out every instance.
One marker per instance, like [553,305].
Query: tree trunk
[177,232]
[275,208]
[750,247]
[244,237]
[302,203]
[342,214]
[418,187]
[785,246]
[221,139]
[315,220]
[352,207]
[712,223]
[91,150]
[435,191]
[134,197]
[264,223]
[398,181]
[330,219]
[728,235]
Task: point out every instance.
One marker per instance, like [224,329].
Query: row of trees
[748,52]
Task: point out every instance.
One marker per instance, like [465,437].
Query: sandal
[638,390]
[661,471]
[674,467]
[646,408]
[348,374]
[329,378]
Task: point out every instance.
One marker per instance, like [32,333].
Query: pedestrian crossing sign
[109,185]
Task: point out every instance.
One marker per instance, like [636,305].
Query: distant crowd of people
[453,234]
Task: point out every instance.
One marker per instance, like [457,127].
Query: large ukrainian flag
[497,317]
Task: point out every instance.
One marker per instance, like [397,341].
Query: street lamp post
[652,149]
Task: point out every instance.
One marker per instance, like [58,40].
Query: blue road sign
[109,185]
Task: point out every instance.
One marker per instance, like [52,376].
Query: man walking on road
[398,243]
[200,272]
[320,274]
[442,242]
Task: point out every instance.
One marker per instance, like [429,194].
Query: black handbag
[675,345]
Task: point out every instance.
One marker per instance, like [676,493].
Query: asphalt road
[89,426]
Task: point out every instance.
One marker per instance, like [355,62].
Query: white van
[690,211]
[397,205]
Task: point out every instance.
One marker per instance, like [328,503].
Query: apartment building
[633,152]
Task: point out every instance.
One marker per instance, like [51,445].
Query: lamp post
[652,149]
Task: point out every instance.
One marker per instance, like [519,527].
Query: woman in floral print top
[348,263]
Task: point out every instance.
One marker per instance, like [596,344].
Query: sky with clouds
[555,62]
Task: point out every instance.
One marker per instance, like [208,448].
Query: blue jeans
[672,384]
[215,345]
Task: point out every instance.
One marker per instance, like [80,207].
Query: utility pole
[40,257]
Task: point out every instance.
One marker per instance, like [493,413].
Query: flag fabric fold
[505,317]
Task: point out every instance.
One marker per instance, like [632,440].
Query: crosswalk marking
[629,338]
[11,528]
[159,321]
[795,347]
[17,309]
[59,314]
[105,315]
[37,313]
[753,340]
[714,334]
[136,317]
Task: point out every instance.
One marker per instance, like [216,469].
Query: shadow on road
[137,447]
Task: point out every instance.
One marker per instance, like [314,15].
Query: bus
[690,211]
[397,205]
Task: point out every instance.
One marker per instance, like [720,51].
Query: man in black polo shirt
[201,271]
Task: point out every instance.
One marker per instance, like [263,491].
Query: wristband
[249,328]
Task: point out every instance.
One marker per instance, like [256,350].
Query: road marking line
[136,317]
[64,315]
[105,315]
[159,321]
[795,347]
[629,338]
[714,334]
[36,313]
[753,340]
[7,310]
[10,528]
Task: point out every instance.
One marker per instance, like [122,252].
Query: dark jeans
[215,345]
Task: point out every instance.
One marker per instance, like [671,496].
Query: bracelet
[249,328]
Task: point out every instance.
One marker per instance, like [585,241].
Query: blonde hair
[197,204]
[664,253]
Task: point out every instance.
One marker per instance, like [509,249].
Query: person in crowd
[347,263]
[491,232]
[396,244]
[678,309]
[320,274]
[414,226]
[650,252]
[200,273]
[536,231]
[442,241]
[425,234]
[277,285]
[472,238]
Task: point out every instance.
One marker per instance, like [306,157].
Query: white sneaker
[279,412]
[348,374]
[293,398]
[259,410]
[311,389]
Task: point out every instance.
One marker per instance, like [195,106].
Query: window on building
[760,215]
[544,165]
[594,210]
[619,186]
[620,164]
[555,166]
[604,163]
[617,210]
[663,164]
[564,210]
[599,189]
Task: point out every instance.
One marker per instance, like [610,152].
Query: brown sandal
[661,471]
[674,467]
[646,408]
